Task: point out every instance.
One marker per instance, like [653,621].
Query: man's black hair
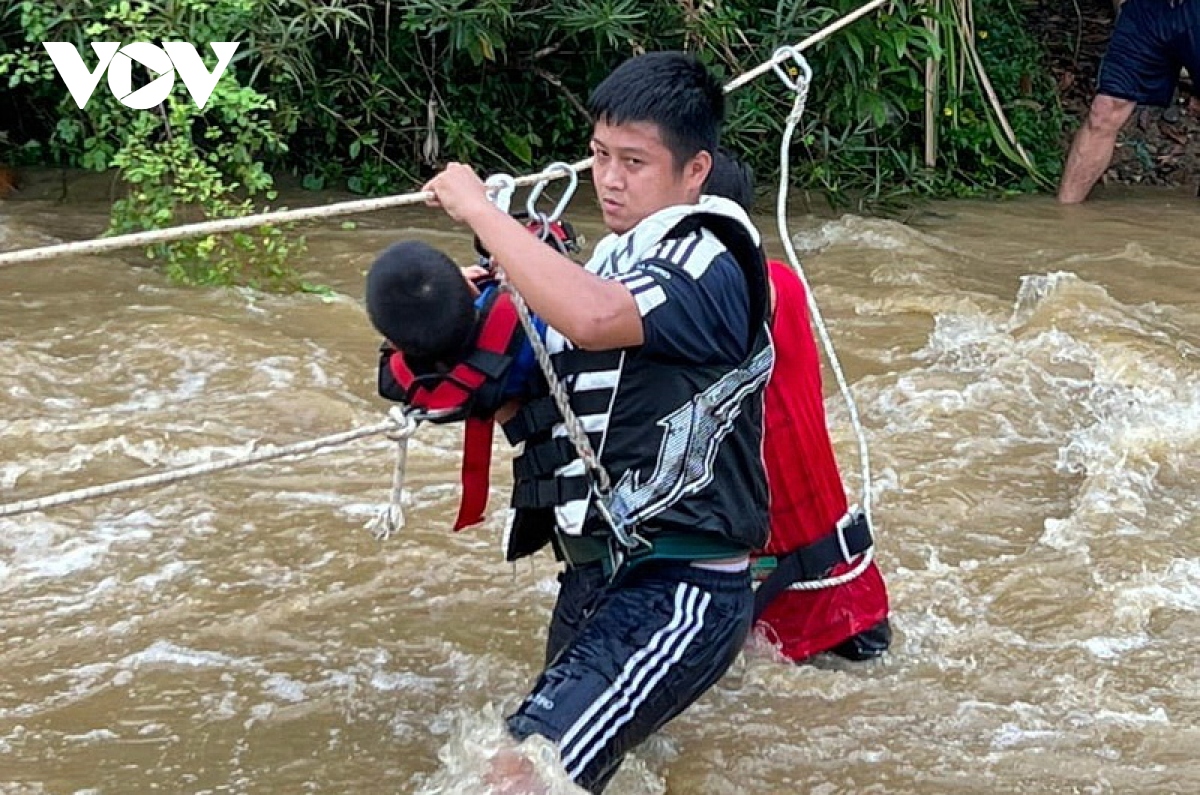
[672,90]
[418,299]
[731,179]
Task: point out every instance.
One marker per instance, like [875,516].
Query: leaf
[519,146]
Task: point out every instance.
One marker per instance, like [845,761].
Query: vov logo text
[172,58]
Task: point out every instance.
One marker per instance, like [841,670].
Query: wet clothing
[677,423]
[807,496]
[623,661]
[1151,41]
[524,369]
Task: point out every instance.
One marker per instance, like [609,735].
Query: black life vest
[661,388]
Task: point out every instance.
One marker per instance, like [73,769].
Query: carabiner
[625,536]
[536,193]
[798,67]
[500,190]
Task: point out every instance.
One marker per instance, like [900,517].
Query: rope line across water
[394,426]
[117,242]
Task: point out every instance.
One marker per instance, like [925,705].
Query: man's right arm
[594,313]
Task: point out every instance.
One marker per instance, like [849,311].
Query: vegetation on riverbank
[920,99]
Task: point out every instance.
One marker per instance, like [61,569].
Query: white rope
[394,426]
[173,233]
[391,518]
[783,53]
[246,222]
[801,88]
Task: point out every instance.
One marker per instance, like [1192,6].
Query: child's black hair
[418,299]
[731,179]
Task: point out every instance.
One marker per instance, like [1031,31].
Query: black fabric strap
[536,416]
[493,365]
[574,361]
[539,460]
[548,492]
[532,420]
[812,561]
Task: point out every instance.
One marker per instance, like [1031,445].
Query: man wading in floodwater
[662,345]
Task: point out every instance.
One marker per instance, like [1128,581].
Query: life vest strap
[549,492]
[493,364]
[540,460]
[449,394]
[476,470]
[536,416]
[850,538]
[574,361]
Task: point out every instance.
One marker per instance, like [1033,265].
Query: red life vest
[807,495]
[471,389]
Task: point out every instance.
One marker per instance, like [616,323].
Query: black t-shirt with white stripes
[693,312]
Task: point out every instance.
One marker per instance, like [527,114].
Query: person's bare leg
[1092,149]
[513,774]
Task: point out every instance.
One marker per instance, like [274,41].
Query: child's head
[731,179]
[418,299]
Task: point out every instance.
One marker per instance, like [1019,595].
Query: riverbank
[1159,146]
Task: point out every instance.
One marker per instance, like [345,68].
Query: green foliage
[178,163]
[375,96]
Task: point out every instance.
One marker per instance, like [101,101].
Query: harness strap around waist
[668,545]
[850,538]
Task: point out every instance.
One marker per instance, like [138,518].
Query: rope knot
[404,424]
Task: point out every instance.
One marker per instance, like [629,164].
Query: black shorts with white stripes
[629,658]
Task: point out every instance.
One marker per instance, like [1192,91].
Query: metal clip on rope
[797,76]
[500,190]
[627,539]
[568,193]
[798,68]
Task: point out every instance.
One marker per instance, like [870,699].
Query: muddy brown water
[1027,379]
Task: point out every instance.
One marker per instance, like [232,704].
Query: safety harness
[850,537]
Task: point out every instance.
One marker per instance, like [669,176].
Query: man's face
[635,175]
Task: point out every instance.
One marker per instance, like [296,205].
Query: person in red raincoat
[808,499]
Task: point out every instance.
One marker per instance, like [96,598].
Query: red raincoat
[807,496]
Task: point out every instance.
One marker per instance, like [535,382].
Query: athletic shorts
[1152,40]
[627,659]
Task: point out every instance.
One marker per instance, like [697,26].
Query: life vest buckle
[436,416]
[848,520]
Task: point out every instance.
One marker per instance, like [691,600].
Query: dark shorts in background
[1152,40]
[625,661]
